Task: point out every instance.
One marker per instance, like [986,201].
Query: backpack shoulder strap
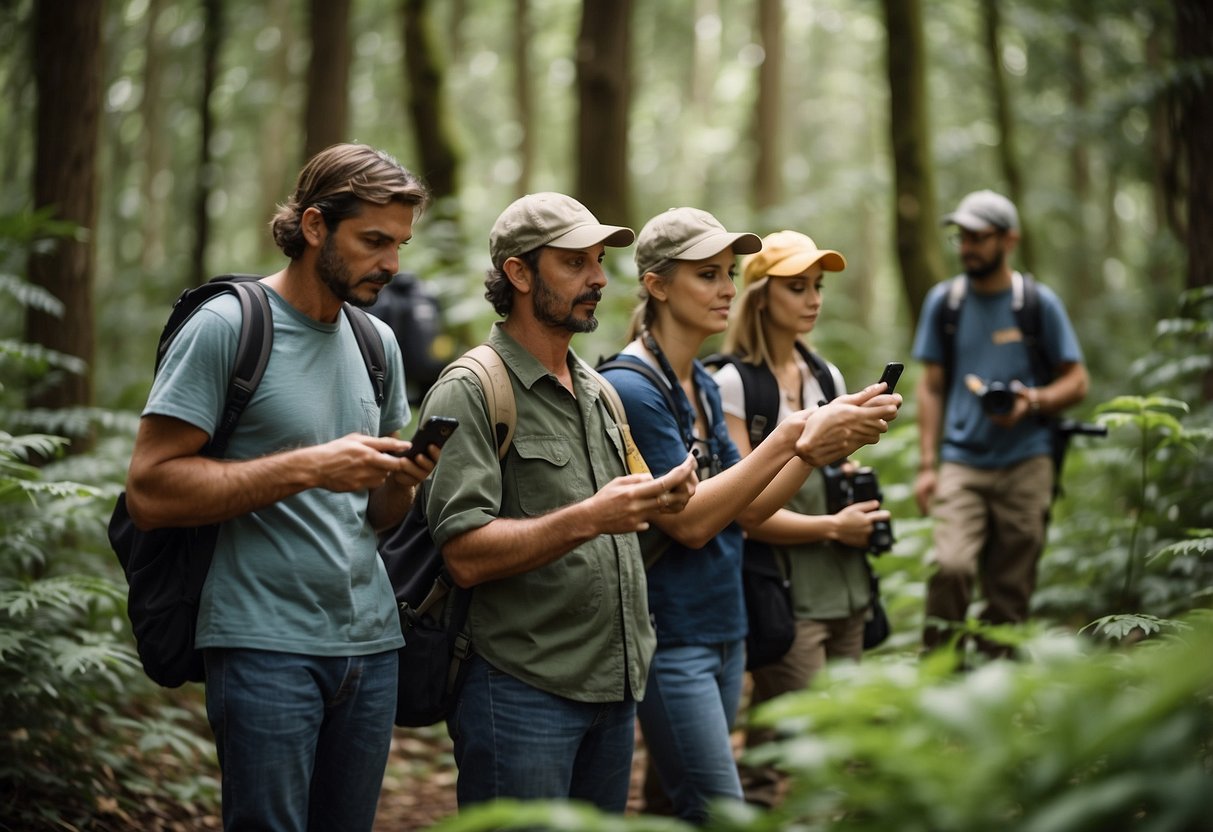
[820,370]
[253,344]
[1025,303]
[614,406]
[370,344]
[947,323]
[761,392]
[489,369]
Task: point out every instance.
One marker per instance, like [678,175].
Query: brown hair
[336,182]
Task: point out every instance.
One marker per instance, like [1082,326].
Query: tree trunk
[426,84]
[1003,115]
[67,72]
[523,95]
[603,97]
[917,222]
[1081,257]
[277,169]
[207,174]
[328,76]
[768,105]
[1194,45]
[437,147]
[153,151]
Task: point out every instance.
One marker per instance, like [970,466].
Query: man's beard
[335,275]
[985,268]
[546,312]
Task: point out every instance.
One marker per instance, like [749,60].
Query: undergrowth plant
[86,742]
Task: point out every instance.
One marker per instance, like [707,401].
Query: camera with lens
[996,398]
[857,485]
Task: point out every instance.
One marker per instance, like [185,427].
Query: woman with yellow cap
[686,261]
[780,304]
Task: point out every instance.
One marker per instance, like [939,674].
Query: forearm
[1068,389]
[721,499]
[787,528]
[776,495]
[510,546]
[930,421]
[196,490]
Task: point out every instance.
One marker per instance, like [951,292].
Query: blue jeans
[514,740]
[687,716]
[302,740]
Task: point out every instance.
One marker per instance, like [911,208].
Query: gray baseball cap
[982,209]
[550,219]
[688,234]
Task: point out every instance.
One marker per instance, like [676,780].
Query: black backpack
[166,568]
[412,311]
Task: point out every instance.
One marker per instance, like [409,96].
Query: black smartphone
[892,372]
[435,431]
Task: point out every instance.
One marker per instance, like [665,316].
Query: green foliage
[1076,738]
[1079,737]
[77,747]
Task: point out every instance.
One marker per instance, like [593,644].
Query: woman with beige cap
[687,261]
[824,553]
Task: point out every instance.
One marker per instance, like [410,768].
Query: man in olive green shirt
[547,536]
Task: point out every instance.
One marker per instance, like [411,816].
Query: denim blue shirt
[694,594]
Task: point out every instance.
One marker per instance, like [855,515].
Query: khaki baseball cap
[687,234]
[550,219]
[787,254]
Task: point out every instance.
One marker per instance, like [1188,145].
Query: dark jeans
[302,740]
[514,740]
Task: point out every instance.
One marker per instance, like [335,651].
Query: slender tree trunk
[67,73]
[603,96]
[1167,181]
[1082,267]
[155,149]
[207,172]
[1194,45]
[768,105]
[1005,117]
[276,168]
[523,95]
[437,146]
[917,222]
[328,76]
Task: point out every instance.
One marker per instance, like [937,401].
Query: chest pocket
[370,417]
[539,473]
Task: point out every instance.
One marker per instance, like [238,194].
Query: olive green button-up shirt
[578,627]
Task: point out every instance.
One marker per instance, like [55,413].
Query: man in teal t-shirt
[297,619]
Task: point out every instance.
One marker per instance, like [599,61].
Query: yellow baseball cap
[787,254]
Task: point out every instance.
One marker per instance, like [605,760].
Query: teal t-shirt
[302,575]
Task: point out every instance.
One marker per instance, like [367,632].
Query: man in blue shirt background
[986,472]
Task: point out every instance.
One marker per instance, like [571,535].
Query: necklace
[794,395]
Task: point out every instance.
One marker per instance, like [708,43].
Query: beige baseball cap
[787,254]
[550,219]
[687,234]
